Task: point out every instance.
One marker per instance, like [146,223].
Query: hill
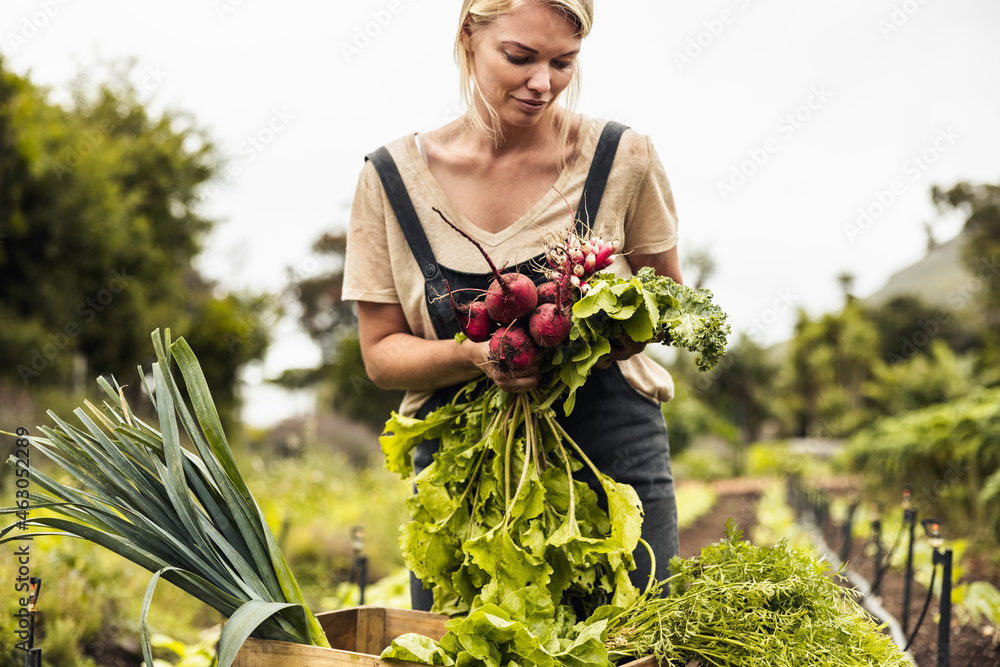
[933,278]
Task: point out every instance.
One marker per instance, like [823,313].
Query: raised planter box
[358,635]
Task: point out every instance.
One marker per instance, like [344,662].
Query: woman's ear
[467,32]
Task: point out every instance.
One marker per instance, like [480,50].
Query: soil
[968,646]
[737,501]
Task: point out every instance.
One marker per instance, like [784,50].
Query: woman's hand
[621,349]
[518,381]
[665,264]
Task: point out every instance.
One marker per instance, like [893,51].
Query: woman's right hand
[518,381]
[396,359]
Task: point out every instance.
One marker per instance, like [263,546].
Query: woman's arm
[396,359]
[664,263]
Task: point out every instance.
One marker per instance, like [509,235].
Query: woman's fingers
[621,349]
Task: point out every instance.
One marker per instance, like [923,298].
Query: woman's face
[523,61]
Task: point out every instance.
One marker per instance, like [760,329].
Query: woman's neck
[514,139]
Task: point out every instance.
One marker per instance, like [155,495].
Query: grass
[694,500]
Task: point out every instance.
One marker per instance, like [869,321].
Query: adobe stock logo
[712,30]
[363,35]
[787,127]
[33,24]
[883,199]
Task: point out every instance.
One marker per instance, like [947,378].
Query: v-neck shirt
[637,210]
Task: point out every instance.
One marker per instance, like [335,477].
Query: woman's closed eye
[524,60]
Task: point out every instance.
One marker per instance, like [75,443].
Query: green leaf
[417,648]
[244,622]
[402,434]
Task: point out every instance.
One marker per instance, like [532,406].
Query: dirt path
[737,500]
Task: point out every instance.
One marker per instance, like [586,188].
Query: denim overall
[621,430]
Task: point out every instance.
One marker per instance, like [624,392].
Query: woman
[500,173]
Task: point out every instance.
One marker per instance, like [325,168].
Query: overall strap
[597,178]
[434,287]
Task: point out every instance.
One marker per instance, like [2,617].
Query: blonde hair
[477,14]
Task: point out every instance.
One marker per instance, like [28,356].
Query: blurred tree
[922,381]
[932,242]
[981,251]
[907,325]
[829,361]
[702,266]
[332,323]
[99,210]
[325,315]
[732,401]
[846,280]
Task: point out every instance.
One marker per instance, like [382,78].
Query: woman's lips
[531,105]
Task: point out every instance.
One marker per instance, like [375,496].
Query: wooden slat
[401,621]
[370,631]
[340,627]
[269,653]
[357,635]
[648,661]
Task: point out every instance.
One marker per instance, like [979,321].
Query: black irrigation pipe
[882,566]
[868,602]
[923,612]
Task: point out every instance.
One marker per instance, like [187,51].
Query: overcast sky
[779,121]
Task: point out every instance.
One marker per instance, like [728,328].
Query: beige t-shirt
[637,210]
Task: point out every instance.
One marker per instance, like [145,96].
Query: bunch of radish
[516,316]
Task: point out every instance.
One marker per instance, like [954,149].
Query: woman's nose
[539,81]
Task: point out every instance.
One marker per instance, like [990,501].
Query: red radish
[605,255]
[510,295]
[550,325]
[476,322]
[512,349]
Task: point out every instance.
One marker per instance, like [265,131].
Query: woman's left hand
[621,349]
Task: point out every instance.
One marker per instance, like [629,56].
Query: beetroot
[550,292]
[511,349]
[511,296]
[550,325]
[476,322]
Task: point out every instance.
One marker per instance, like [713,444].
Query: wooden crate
[357,635]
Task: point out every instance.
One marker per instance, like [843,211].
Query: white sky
[888,81]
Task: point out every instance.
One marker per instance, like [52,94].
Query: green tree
[924,380]
[829,361]
[100,214]
[324,314]
[332,324]
[981,252]
[907,326]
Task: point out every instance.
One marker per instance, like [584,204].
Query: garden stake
[944,625]
[33,656]
[360,565]
[879,554]
[845,545]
